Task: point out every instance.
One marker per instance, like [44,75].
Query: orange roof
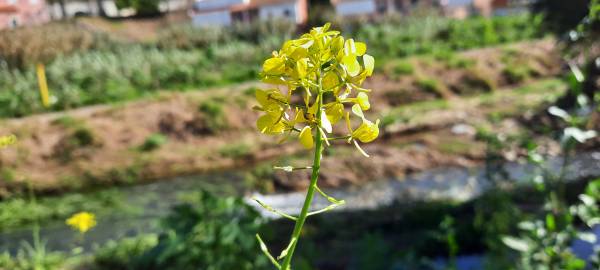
[8,8]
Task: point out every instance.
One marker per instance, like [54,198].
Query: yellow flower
[7,140]
[367,131]
[82,221]
[306,138]
[322,71]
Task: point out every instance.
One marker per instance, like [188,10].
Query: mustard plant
[316,84]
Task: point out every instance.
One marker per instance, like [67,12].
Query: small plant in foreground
[322,72]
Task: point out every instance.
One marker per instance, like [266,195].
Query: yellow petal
[274,66]
[363,101]
[306,137]
[361,48]
[334,112]
[351,64]
[369,62]
[302,67]
[367,131]
[350,47]
[330,80]
[270,124]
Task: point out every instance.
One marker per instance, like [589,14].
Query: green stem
[309,194]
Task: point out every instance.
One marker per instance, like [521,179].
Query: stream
[155,199]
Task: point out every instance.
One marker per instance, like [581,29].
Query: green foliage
[153,142]
[430,85]
[141,7]
[397,68]
[516,73]
[236,150]
[117,255]
[430,34]
[87,70]
[32,257]
[20,212]
[208,233]
[215,118]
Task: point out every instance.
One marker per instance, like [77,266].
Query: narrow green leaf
[265,250]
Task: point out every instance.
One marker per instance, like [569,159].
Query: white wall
[279,11]
[216,4]
[212,18]
[359,7]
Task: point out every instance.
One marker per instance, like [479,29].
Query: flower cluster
[321,73]
[82,221]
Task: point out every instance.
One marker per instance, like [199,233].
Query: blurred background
[140,113]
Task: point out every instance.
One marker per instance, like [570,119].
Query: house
[15,13]
[507,7]
[357,8]
[461,9]
[226,12]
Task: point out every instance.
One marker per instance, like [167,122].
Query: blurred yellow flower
[82,221]
[7,140]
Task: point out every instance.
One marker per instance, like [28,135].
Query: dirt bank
[430,117]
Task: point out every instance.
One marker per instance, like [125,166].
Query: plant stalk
[309,194]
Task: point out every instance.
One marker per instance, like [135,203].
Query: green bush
[117,255]
[208,233]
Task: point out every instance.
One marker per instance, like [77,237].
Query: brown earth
[101,145]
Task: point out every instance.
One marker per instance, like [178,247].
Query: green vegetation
[153,142]
[100,70]
[430,85]
[215,118]
[236,150]
[397,68]
[199,234]
[434,34]
[20,212]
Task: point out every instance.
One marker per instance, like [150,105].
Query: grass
[430,85]
[153,142]
[236,150]
[20,212]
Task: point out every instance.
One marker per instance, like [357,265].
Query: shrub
[209,233]
[117,255]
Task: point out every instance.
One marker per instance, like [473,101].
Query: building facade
[15,13]
[226,12]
